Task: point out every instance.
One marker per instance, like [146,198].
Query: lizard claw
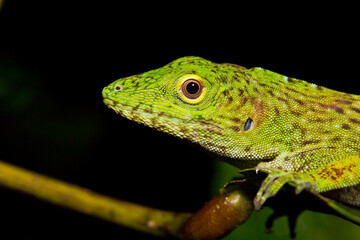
[270,186]
[258,202]
[263,167]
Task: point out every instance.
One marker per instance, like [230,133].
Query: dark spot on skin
[135,118]
[237,120]
[148,111]
[337,109]
[345,126]
[312,177]
[283,100]
[241,92]
[162,127]
[271,93]
[343,101]
[136,107]
[212,130]
[335,139]
[302,130]
[318,87]
[355,109]
[153,120]
[277,112]
[183,130]
[326,131]
[230,99]
[302,155]
[323,105]
[225,92]
[300,169]
[275,83]
[247,149]
[262,84]
[244,100]
[136,85]
[235,128]
[205,136]
[293,90]
[313,109]
[290,80]
[333,107]
[299,101]
[223,117]
[286,159]
[295,113]
[211,144]
[336,172]
[306,142]
[320,120]
[353,120]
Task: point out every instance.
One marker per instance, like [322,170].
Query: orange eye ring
[192,89]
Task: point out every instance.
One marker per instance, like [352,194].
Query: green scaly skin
[297,132]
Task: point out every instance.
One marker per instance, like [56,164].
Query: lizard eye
[192,89]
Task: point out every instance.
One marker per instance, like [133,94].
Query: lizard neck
[243,100]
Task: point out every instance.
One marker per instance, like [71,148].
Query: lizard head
[193,99]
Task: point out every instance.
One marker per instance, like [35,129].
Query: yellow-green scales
[252,118]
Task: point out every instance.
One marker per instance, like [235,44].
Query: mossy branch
[217,218]
[153,221]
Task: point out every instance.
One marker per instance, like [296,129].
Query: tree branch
[141,218]
[217,218]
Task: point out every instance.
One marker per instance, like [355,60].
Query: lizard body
[295,131]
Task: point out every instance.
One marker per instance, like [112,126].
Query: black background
[55,58]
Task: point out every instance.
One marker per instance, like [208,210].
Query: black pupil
[192,88]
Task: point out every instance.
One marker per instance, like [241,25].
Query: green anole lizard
[294,131]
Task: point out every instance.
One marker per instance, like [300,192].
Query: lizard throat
[176,126]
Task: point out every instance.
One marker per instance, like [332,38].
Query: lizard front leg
[276,180]
[280,171]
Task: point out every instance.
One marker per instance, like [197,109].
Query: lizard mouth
[108,102]
[116,106]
